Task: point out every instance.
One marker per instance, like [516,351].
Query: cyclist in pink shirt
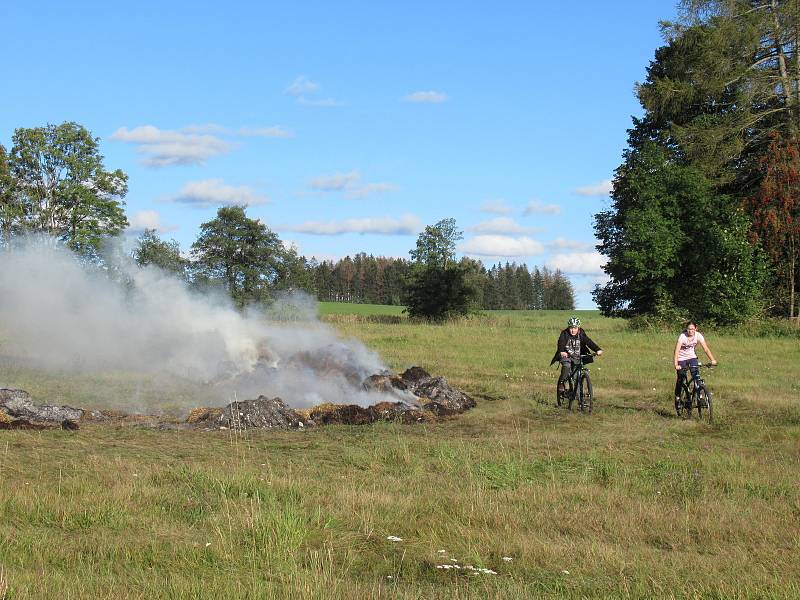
[685,356]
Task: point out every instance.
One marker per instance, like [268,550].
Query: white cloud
[191,145]
[501,225]
[586,283]
[604,188]
[205,128]
[565,244]
[501,245]
[147,219]
[163,147]
[405,225]
[275,131]
[359,192]
[318,101]
[579,263]
[535,207]
[497,207]
[302,85]
[426,97]
[334,183]
[214,192]
[320,258]
[350,185]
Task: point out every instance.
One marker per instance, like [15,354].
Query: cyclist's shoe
[677,404]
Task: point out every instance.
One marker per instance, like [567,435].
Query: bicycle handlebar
[703,365]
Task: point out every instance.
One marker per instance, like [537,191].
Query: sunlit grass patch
[621,503]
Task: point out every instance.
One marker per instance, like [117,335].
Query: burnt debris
[17,411]
[412,397]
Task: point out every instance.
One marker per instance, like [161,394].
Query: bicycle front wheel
[571,392]
[586,394]
[685,409]
[704,403]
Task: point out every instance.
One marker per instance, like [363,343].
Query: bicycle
[579,385]
[695,395]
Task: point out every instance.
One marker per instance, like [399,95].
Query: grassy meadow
[627,502]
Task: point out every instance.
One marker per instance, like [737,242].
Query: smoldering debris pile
[17,411]
[412,397]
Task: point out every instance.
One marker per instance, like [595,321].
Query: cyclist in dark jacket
[572,343]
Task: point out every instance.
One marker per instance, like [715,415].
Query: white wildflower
[394,538]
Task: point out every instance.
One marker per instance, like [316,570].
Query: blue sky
[348,126]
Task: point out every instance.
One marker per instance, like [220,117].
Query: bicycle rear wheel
[586,400]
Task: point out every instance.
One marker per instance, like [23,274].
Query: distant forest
[366,279]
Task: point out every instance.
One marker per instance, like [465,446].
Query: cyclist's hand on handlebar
[713,363]
[599,353]
[564,355]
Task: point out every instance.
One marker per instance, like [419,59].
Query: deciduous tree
[63,187]
[438,287]
[240,253]
[152,250]
[11,210]
[436,245]
[675,246]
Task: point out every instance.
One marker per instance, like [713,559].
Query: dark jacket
[586,344]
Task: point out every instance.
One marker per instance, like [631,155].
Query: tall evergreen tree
[776,218]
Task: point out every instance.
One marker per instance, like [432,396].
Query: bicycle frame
[694,388]
[575,376]
[573,381]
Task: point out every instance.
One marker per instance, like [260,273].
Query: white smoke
[63,316]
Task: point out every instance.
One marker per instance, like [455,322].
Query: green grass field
[627,502]
[343,308]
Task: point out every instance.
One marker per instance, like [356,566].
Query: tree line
[53,181]
[705,214]
[367,279]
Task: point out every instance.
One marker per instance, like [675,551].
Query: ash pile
[18,411]
[412,397]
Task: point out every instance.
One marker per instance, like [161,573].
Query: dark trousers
[693,367]
[566,370]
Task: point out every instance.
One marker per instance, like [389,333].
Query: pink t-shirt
[686,350]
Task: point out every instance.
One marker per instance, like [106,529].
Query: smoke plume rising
[62,316]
